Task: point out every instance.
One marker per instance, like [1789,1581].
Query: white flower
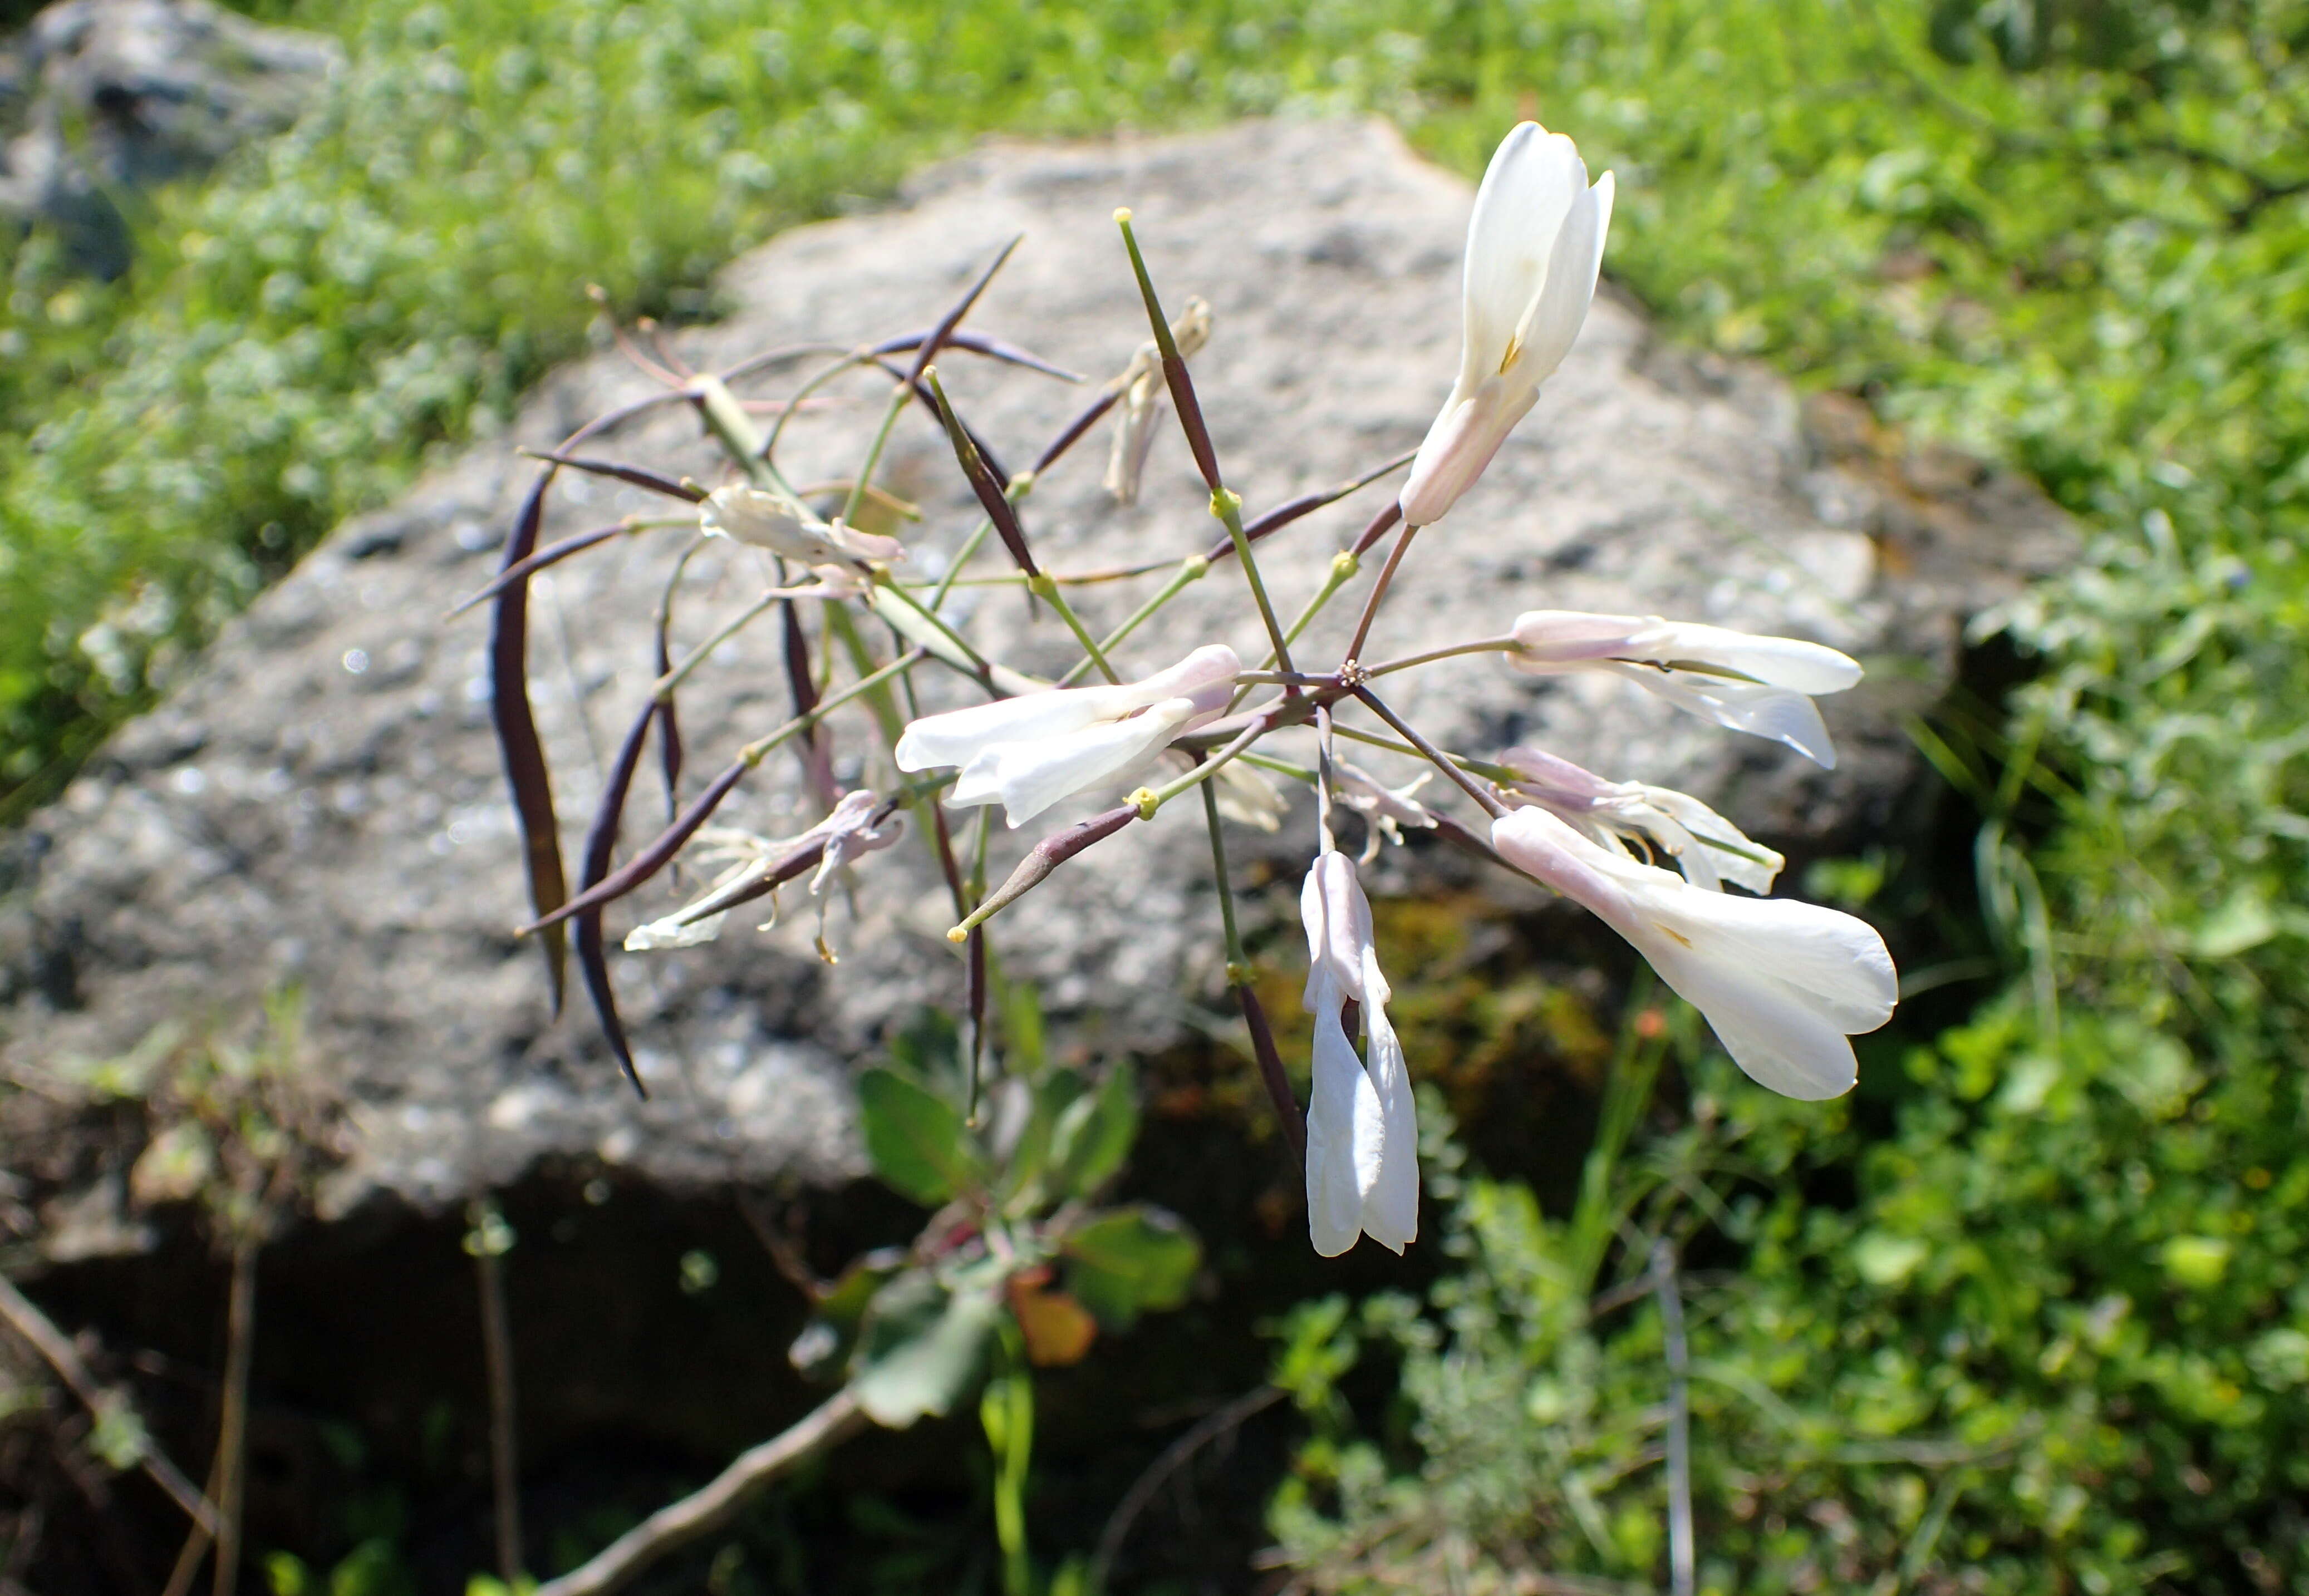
[749,515]
[1362,1137]
[1386,811]
[1533,248]
[1762,686]
[1783,983]
[849,833]
[1029,752]
[1708,849]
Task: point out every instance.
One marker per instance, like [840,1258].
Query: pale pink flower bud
[1362,1131]
[1762,686]
[1032,751]
[1534,245]
[1784,984]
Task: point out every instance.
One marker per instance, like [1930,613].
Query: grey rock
[320,803]
[159,89]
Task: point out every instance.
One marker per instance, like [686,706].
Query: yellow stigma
[1122,216]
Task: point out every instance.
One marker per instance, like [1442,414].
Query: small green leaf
[922,1348]
[1093,1136]
[826,1343]
[1127,1260]
[917,1141]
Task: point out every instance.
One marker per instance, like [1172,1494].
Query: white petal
[1333,1200]
[1337,918]
[1776,713]
[671,933]
[1390,1212]
[1782,661]
[958,736]
[1560,309]
[1738,860]
[1782,1041]
[1526,192]
[1029,777]
[1836,961]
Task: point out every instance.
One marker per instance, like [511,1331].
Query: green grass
[2068,234]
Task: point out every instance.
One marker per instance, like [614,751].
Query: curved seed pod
[517,740]
[601,843]
[638,870]
[639,476]
[551,554]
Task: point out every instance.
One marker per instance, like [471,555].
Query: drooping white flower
[1386,810]
[1784,984]
[849,833]
[1708,849]
[749,515]
[1029,752]
[1762,686]
[1533,248]
[1362,1132]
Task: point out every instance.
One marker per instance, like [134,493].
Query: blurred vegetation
[2028,1313]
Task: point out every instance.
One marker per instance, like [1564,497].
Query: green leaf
[826,1341]
[1129,1260]
[917,1141]
[922,1348]
[1093,1136]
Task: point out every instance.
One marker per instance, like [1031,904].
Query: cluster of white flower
[1784,984]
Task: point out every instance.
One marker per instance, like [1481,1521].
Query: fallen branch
[669,1529]
[1158,1473]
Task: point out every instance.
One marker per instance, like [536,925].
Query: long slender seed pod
[929,350]
[518,743]
[600,843]
[983,482]
[638,870]
[1174,366]
[638,475]
[1380,525]
[551,555]
[929,401]
[1044,858]
[813,747]
[1072,433]
[979,343]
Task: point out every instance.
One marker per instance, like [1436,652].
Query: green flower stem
[754,752]
[1043,588]
[900,392]
[1378,591]
[1488,645]
[662,688]
[1238,967]
[1190,569]
[1490,801]
[1150,799]
[1482,767]
[1343,567]
[962,556]
[1227,506]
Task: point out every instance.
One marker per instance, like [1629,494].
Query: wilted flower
[1783,983]
[848,835]
[1386,811]
[1762,686]
[1030,752]
[1533,248]
[1708,849]
[1362,1135]
[766,520]
[1142,388]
